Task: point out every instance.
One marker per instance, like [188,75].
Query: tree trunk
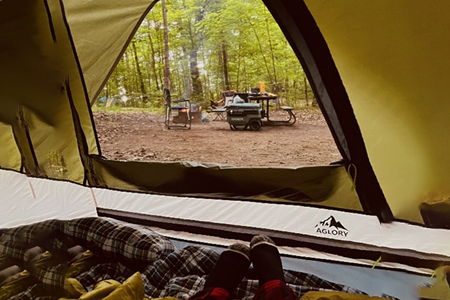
[152,60]
[262,51]
[275,84]
[166,47]
[139,74]
[197,89]
[225,65]
[245,74]
[126,84]
[205,77]
[159,51]
[220,79]
[238,69]
[186,74]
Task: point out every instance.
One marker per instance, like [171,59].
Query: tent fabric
[440,290]
[56,137]
[394,238]
[307,42]
[393,61]
[28,200]
[41,83]
[328,186]
[99,50]
[35,120]
[243,214]
[98,53]
[9,152]
[32,199]
[47,128]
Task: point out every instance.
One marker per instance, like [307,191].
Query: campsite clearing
[141,136]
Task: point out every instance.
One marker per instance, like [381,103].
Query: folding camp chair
[228,97]
[177,112]
[219,112]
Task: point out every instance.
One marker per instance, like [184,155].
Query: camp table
[264,100]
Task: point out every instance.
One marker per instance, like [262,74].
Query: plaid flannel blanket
[122,249]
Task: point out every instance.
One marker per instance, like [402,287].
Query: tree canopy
[214,45]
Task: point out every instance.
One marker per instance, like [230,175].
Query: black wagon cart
[245,116]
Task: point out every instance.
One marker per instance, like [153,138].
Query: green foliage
[202,34]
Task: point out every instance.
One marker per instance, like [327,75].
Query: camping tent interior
[379,71]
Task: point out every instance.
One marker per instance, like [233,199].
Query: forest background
[210,46]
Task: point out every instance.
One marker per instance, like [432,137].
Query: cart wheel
[232,127]
[255,125]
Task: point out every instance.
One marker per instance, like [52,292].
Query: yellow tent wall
[41,85]
[393,58]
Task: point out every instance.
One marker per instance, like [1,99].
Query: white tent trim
[27,200]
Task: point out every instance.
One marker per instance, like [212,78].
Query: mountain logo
[330,226]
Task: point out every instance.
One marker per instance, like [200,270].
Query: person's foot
[230,269]
[241,249]
[261,239]
[266,259]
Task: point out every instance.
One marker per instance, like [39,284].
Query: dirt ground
[141,136]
